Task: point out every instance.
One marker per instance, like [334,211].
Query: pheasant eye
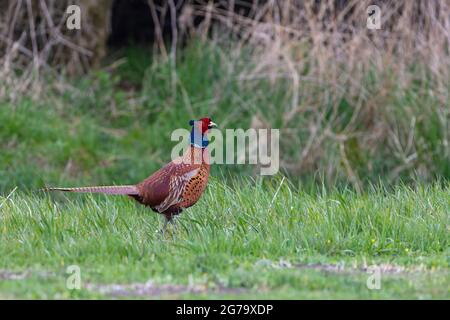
[211,124]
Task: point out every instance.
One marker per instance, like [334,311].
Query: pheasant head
[199,131]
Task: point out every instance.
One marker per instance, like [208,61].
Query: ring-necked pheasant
[177,185]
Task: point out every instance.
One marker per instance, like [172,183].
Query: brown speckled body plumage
[178,185]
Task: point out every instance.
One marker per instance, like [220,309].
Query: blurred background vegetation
[98,105]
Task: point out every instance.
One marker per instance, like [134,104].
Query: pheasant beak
[212,125]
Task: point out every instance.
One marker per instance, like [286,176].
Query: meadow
[363,188]
[246,239]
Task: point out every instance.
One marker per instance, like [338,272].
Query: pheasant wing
[165,187]
[177,185]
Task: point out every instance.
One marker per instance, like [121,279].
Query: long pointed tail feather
[125,190]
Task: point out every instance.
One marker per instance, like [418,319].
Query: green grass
[99,132]
[247,239]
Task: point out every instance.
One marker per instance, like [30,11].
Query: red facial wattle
[205,124]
